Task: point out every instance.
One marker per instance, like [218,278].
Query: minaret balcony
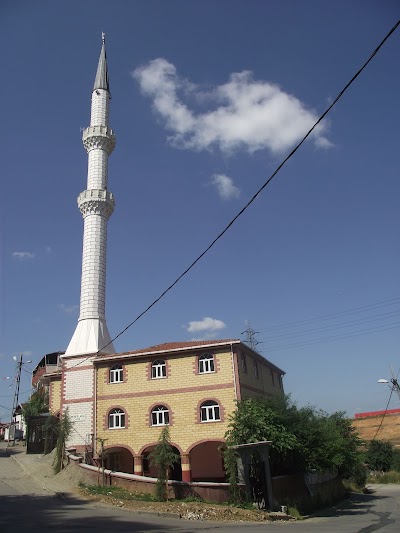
[96,202]
[98,137]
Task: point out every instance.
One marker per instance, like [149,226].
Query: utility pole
[251,339]
[15,400]
[394,384]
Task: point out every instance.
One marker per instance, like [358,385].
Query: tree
[379,455]
[256,420]
[51,427]
[37,404]
[396,460]
[163,456]
[230,463]
[303,439]
[64,432]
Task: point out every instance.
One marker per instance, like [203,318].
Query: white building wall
[78,384]
[81,416]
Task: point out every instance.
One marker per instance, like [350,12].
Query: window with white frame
[158,369]
[160,416]
[209,411]
[206,363]
[116,374]
[116,419]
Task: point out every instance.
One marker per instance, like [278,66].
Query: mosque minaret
[96,204]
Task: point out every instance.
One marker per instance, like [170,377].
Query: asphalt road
[26,506]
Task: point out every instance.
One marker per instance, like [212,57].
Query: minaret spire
[96,204]
[101,80]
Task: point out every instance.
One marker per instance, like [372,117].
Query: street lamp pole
[394,384]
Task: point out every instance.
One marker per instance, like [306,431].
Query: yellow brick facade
[55,395]
[256,375]
[135,392]
[182,391]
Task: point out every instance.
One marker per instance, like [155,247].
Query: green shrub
[358,475]
[379,455]
[384,477]
[396,460]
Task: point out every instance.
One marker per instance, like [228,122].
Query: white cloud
[207,324]
[68,309]
[248,114]
[225,186]
[23,255]
[322,142]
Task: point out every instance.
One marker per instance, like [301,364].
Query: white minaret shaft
[96,205]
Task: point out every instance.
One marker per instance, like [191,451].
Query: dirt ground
[186,510]
[67,481]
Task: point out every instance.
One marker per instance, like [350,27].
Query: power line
[384,414]
[359,333]
[331,316]
[11,395]
[260,190]
[340,325]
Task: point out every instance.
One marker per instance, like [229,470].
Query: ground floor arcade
[202,461]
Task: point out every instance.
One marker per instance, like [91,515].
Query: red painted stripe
[376,413]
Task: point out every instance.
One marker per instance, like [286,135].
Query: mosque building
[127,398]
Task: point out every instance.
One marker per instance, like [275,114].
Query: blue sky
[207,99]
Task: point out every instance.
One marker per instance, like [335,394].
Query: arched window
[116,374]
[158,369]
[206,363]
[116,419]
[160,416]
[209,411]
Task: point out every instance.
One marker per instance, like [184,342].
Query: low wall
[213,492]
[315,492]
[289,489]
[318,492]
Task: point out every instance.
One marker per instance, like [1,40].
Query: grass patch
[351,486]
[294,512]
[116,492]
[384,477]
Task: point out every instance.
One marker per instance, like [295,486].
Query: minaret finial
[101,81]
